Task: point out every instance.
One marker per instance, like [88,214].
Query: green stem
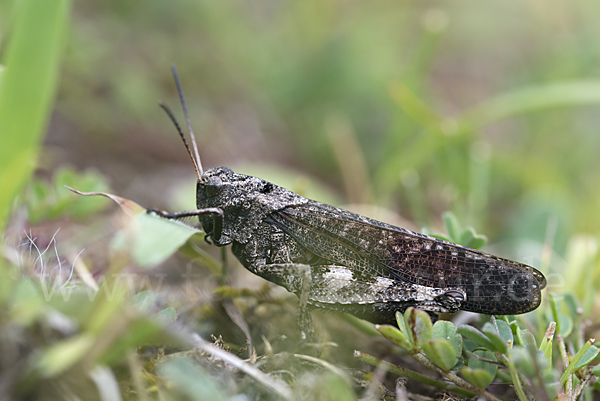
[554,308]
[565,358]
[515,377]
[390,367]
[582,385]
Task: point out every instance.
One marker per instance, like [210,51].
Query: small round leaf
[478,377]
[492,334]
[447,331]
[440,352]
[420,326]
[475,335]
[476,363]
[395,336]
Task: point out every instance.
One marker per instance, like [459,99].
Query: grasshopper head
[245,201]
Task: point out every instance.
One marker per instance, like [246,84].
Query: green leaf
[521,337]
[527,338]
[403,326]
[517,332]
[168,314]
[452,226]
[447,331]
[564,322]
[587,357]
[467,235]
[440,352]
[31,60]
[475,335]
[570,307]
[156,239]
[469,345]
[478,241]
[505,332]
[477,377]
[499,344]
[364,326]
[571,303]
[395,336]
[419,324]
[576,359]
[478,364]
[471,239]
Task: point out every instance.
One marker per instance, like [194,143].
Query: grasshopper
[335,259]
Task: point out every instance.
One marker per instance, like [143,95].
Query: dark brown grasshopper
[332,258]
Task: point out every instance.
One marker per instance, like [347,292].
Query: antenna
[194,156]
[187,117]
[181,134]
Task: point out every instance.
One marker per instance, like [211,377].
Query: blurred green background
[486,109]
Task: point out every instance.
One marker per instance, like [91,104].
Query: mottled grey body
[336,259]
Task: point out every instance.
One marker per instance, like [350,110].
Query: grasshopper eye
[213,187]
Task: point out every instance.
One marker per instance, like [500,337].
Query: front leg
[297,278]
[215,212]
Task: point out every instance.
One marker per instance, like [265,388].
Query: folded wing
[372,249]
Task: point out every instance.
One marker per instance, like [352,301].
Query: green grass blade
[573,364]
[27,90]
[577,93]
